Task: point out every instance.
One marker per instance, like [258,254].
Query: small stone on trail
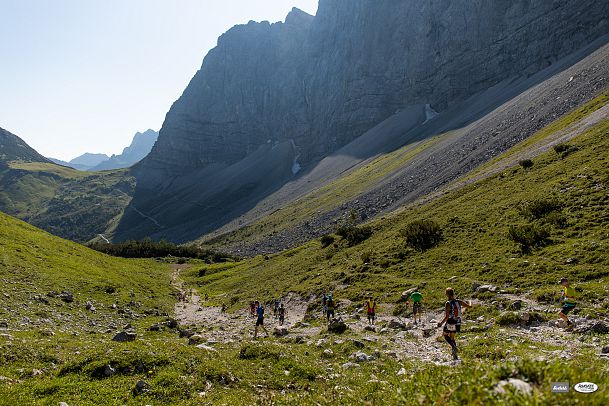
[396,325]
[349,365]
[328,352]
[605,350]
[402,371]
[370,328]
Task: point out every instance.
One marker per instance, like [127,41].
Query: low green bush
[422,234]
[538,208]
[354,235]
[529,236]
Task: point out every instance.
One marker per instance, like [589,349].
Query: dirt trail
[422,342]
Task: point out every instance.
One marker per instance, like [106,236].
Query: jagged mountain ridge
[140,146]
[294,92]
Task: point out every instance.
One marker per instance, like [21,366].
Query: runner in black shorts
[260,320]
[452,318]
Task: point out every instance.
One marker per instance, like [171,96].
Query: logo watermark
[586,387]
[560,387]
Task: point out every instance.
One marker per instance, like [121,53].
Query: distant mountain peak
[140,146]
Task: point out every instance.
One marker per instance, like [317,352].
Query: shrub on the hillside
[249,351]
[564,149]
[558,220]
[529,236]
[422,234]
[366,257]
[326,240]
[354,234]
[148,248]
[526,163]
[539,208]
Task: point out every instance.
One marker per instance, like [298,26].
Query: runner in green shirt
[417,298]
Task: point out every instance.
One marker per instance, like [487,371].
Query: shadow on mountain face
[184,207]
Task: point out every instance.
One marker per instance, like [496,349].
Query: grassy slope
[328,197]
[38,368]
[476,245]
[475,221]
[70,203]
[362,178]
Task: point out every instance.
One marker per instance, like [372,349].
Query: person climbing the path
[324,304]
[416,298]
[281,314]
[276,309]
[259,319]
[206,296]
[371,309]
[330,307]
[568,301]
[452,318]
[252,309]
[223,309]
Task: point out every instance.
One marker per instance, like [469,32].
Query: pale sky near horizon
[85,75]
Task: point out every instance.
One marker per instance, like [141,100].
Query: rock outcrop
[271,99]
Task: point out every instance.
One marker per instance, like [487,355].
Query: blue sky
[84,75]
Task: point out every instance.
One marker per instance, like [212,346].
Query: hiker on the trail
[324,304]
[276,308]
[259,319]
[223,309]
[330,307]
[281,312]
[371,309]
[206,296]
[568,301]
[253,309]
[452,318]
[416,298]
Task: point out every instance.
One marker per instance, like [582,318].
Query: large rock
[294,92]
[66,296]
[280,331]
[337,326]
[486,288]
[124,336]
[195,339]
[517,385]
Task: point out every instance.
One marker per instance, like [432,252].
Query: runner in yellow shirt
[568,301]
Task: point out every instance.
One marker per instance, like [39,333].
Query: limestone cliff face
[320,82]
[323,81]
